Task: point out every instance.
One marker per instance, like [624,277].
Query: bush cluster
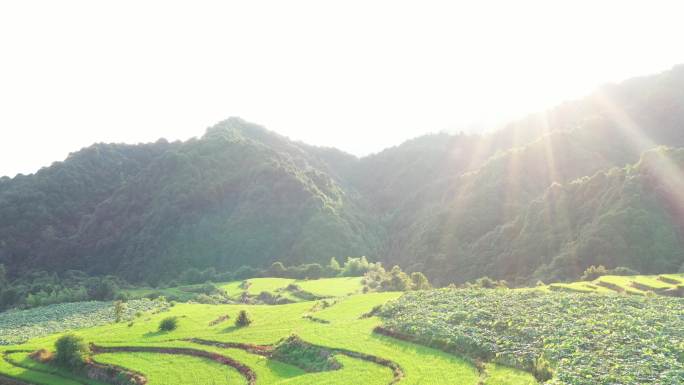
[71,351]
[243,319]
[168,324]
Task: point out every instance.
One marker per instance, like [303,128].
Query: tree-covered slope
[542,198]
[443,212]
[227,199]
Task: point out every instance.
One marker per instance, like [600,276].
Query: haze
[360,76]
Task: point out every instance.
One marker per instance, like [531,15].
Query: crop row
[589,339]
[17,326]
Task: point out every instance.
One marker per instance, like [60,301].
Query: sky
[357,75]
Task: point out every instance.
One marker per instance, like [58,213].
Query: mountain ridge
[451,205]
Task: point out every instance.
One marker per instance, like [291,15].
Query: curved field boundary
[6,357]
[478,363]
[315,319]
[95,371]
[245,370]
[262,350]
[671,281]
[12,380]
[644,287]
[5,380]
[265,350]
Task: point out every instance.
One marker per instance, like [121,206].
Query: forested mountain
[543,198]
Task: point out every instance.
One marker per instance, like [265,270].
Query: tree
[399,281]
[593,272]
[333,269]
[277,269]
[312,271]
[8,298]
[486,283]
[3,276]
[243,319]
[168,324]
[71,351]
[355,267]
[191,276]
[102,289]
[119,308]
[420,281]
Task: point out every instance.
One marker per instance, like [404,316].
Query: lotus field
[587,339]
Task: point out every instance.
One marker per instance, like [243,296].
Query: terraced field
[665,284]
[322,288]
[587,339]
[319,288]
[478,336]
[204,351]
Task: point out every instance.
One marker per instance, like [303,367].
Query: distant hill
[593,181]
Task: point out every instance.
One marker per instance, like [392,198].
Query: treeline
[352,267]
[41,288]
[375,277]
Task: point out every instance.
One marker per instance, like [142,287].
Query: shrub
[102,289]
[243,319]
[220,319]
[542,370]
[486,283]
[168,324]
[298,353]
[119,309]
[293,287]
[205,299]
[209,288]
[267,297]
[420,281]
[593,272]
[71,351]
[395,279]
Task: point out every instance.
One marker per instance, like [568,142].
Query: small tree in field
[119,308]
[71,351]
[168,324]
[243,319]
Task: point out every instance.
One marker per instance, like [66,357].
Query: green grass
[501,375]
[581,287]
[257,285]
[175,293]
[34,377]
[626,284]
[24,360]
[345,330]
[166,369]
[332,287]
[677,277]
[324,287]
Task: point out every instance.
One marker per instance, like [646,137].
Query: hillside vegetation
[593,181]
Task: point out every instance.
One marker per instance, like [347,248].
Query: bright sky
[357,75]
